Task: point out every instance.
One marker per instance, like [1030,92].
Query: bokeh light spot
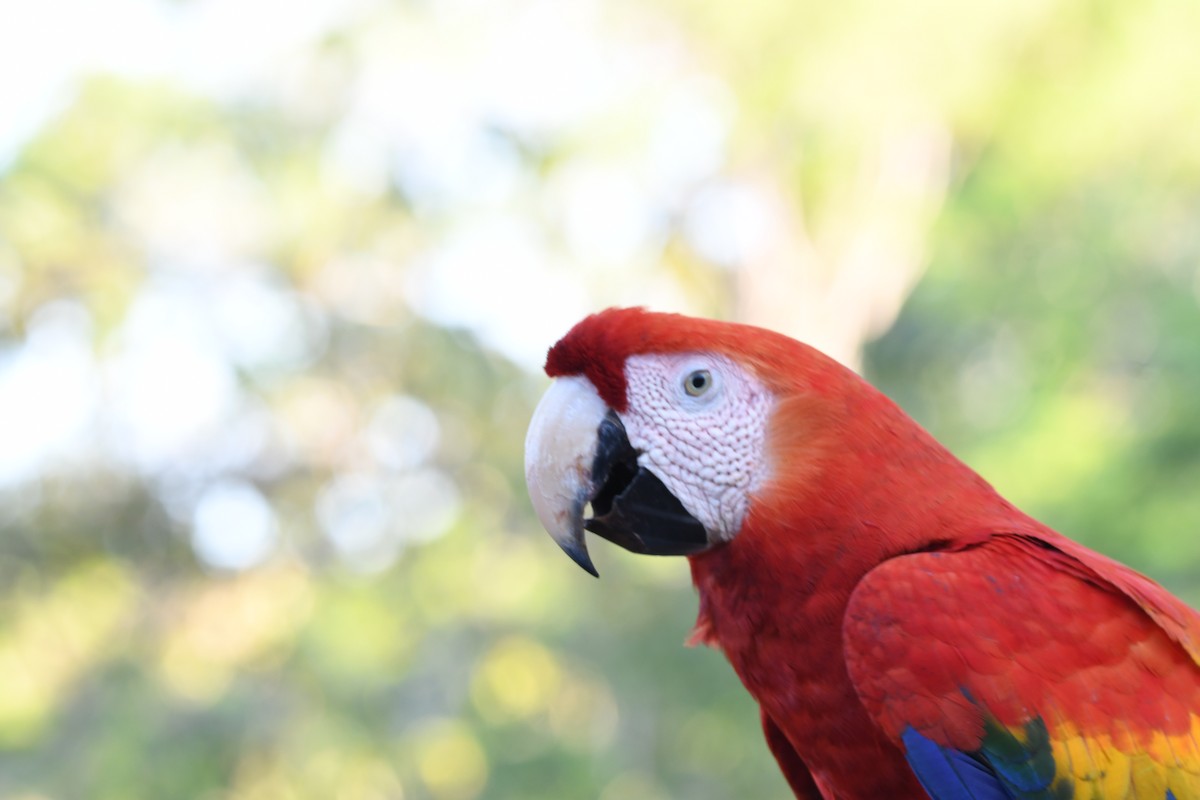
[450,760]
[233,526]
[170,385]
[516,679]
[403,432]
[48,392]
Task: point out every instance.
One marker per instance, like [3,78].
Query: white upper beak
[559,452]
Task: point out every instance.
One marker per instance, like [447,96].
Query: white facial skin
[700,421]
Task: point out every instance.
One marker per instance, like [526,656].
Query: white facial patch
[700,423]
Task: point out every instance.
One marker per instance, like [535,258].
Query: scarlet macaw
[905,630]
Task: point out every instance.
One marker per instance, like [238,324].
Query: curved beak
[577,455]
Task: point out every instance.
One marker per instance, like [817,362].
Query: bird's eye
[698,382]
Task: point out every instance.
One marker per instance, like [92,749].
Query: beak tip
[579,554]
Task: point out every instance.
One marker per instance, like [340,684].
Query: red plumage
[878,586]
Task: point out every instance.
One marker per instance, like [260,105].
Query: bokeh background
[276,279]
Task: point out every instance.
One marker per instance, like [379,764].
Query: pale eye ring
[697,382]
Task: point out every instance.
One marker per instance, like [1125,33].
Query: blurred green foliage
[398,626]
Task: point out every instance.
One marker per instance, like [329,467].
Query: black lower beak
[632,508]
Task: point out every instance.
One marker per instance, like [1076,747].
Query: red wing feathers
[956,645]
[1177,619]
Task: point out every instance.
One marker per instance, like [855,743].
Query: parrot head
[660,432]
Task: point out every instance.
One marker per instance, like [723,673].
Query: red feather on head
[598,346]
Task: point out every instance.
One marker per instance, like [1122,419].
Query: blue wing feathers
[948,774]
